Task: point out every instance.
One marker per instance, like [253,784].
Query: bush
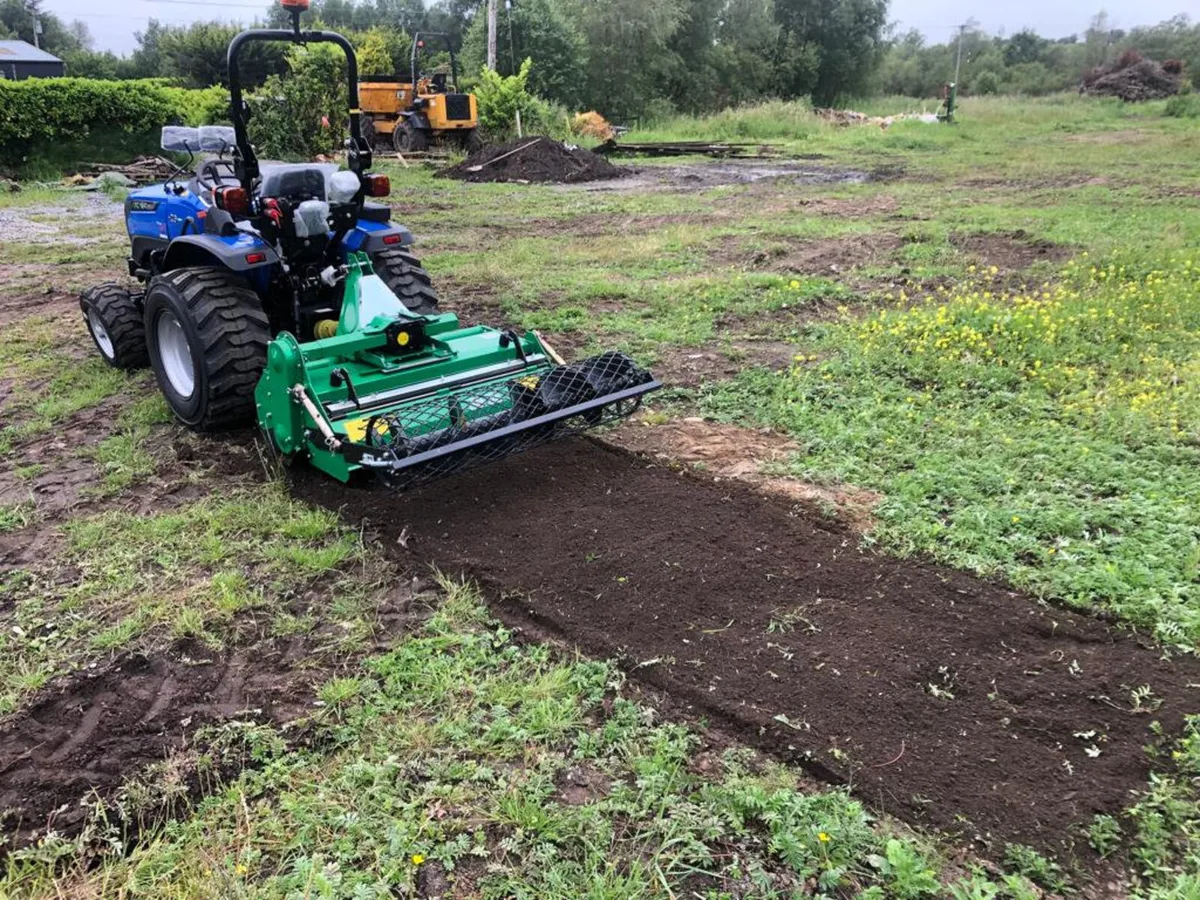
[772,120]
[306,113]
[499,97]
[1185,106]
[51,110]
[986,82]
[200,106]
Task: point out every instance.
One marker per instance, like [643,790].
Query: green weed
[194,572]
[1047,435]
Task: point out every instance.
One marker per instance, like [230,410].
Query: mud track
[946,700]
[90,733]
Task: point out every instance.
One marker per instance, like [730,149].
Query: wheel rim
[100,334]
[176,354]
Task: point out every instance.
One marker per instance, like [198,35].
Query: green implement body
[411,397]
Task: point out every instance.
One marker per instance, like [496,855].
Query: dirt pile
[1133,79]
[539,160]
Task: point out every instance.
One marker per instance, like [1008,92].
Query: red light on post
[377,185]
[298,5]
[234,200]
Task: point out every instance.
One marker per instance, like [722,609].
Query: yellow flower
[1016,519]
[241,868]
[823,837]
[794,285]
[418,858]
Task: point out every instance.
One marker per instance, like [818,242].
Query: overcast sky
[113,25]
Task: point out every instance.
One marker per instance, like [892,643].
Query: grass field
[977,345]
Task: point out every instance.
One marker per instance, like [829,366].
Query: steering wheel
[210,176]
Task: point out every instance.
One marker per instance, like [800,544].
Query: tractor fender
[419,120]
[224,252]
[369,237]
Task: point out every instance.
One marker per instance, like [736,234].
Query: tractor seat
[296,182]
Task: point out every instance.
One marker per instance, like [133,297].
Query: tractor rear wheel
[402,273]
[207,335]
[114,320]
[409,139]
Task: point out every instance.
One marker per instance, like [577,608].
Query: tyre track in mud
[952,702]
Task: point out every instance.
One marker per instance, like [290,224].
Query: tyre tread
[403,274]
[234,333]
[122,318]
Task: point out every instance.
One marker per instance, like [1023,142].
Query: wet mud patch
[951,702]
[1009,251]
[750,455]
[828,257]
[701,176]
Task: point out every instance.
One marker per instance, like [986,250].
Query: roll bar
[418,42]
[245,163]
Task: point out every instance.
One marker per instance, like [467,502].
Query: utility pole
[958,60]
[962,29]
[492,13]
[37,26]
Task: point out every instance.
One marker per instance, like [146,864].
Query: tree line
[642,58]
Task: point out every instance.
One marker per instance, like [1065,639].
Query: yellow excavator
[427,108]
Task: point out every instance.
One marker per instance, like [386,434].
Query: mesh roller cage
[431,438]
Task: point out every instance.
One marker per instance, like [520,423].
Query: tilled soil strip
[949,701]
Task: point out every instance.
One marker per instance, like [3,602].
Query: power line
[195,5]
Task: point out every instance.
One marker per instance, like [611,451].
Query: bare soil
[824,256]
[91,732]
[87,734]
[1010,251]
[693,366]
[948,701]
[748,455]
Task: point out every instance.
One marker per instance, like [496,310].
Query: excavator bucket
[412,398]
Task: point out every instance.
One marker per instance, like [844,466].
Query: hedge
[42,111]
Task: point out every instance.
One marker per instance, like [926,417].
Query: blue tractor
[233,253]
[284,295]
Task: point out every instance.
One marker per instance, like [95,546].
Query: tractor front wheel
[472,141]
[114,320]
[207,335]
[409,139]
[402,273]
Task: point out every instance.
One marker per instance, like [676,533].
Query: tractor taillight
[377,185]
[392,239]
[234,200]
[255,258]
